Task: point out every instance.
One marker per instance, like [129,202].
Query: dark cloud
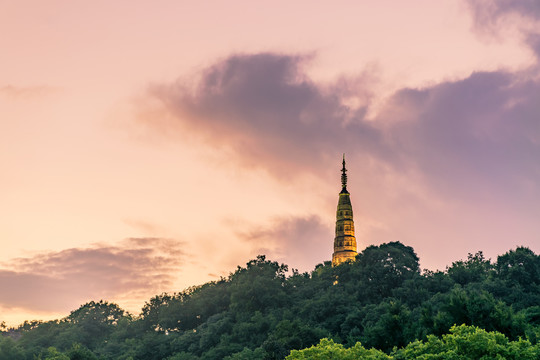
[484,129]
[464,138]
[146,227]
[533,40]
[490,12]
[265,109]
[60,281]
[300,242]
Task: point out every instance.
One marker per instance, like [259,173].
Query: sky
[149,146]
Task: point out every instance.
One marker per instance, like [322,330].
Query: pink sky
[148,146]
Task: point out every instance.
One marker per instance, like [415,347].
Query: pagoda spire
[344,176]
[345,240]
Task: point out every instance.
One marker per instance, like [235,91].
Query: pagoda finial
[344,175]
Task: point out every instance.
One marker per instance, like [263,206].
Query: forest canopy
[380,305]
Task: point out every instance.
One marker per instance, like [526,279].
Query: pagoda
[345,241]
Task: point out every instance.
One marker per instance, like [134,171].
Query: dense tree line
[263,311]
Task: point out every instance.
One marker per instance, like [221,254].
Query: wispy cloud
[494,17]
[60,281]
[25,92]
[297,241]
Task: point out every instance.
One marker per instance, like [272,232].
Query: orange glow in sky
[150,146]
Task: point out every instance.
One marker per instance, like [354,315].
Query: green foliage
[79,352]
[9,349]
[329,350]
[463,342]
[289,335]
[94,322]
[248,354]
[475,269]
[469,342]
[259,286]
[470,306]
[381,301]
[520,266]
[381,269]
[52,354]
[387,325]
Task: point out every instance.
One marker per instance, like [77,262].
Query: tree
[476,268]
[100,312]
[9,349]
[386,325]
[469,342]
[52,354]
[257,312]
[289,335]
[150,314]
[248,354]
[520,266]
[92,323]
[383,268]
[469,306]
[463,342]
[329,350]
[259,286]
[188,309]
[79,352]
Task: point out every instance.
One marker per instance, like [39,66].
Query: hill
[261,311]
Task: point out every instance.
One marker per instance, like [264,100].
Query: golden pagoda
[345,241]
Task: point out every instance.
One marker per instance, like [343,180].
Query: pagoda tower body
[345,241]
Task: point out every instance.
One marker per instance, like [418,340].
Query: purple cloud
[533,40]
[489,12]
[492,16]
[265,109]
[483,129]
[464,137]
[59,281]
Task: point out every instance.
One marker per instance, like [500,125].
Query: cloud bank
[59,281]
[467,137]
